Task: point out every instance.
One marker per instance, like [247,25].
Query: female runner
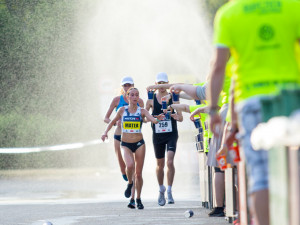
[132,143]
[117,102]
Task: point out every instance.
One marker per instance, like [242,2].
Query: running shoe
[125,177]
[161,199]
[128,190]
[139,204]
[131,204]
[170,198]
[217,212]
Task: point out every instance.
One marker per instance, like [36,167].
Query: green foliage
[35,129]
[37,91]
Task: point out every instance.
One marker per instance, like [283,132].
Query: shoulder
[227,11]
[116,99]
[121,109]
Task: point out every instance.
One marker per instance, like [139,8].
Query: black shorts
[117,137]
[160,147]
[133,146]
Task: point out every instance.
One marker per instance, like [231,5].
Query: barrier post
[209,186]
[243,204]
[278,186]
[230,194]
[294,184]
[202,178]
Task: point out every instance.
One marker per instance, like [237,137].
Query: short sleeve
[221,29]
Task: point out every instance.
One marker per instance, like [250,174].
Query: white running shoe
[161,199]
[170,198]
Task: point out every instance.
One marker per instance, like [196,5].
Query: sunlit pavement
[96,195]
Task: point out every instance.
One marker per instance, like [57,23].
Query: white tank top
[132,123]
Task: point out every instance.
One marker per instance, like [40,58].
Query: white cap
[127,80]
[161,77]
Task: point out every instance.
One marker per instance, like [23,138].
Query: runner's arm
[112,122]
[141,103]
[149,105]
[113,105]
[151,118]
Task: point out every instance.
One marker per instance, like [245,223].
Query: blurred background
[62,63]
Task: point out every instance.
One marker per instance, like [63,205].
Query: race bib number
[163,126]
[131,124]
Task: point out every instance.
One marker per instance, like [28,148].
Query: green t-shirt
[261,36]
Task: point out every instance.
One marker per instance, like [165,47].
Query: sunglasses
[127,85]
[161,82]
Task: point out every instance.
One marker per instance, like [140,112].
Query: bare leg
[133,188]
[118,152]
[171,168]
[219,188]
[260,207]
[160,170]
[129,161]
[139,157]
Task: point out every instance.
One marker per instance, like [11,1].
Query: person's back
[261,35]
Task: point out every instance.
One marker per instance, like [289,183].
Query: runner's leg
[118,152]
[139,157]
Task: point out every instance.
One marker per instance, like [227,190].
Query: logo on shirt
[266,32]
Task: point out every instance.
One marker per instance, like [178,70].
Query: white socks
[162,188]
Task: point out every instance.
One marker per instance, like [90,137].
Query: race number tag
[163,126]
[131,124]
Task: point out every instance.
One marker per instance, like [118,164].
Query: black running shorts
[160,148]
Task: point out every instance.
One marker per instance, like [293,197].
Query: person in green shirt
[261,36]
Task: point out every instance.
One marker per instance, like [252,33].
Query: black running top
[157,109]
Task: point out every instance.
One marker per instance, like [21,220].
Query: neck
[132,106]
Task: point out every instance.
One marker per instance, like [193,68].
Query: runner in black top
[165,136]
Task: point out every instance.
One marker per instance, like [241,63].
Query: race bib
[163,126]
[131,124]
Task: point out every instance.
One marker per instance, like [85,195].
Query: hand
[161,116]
[176,88]
[215,124]
[175,116]
[222,151]
[193,114]
[104,136]
[230,138]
